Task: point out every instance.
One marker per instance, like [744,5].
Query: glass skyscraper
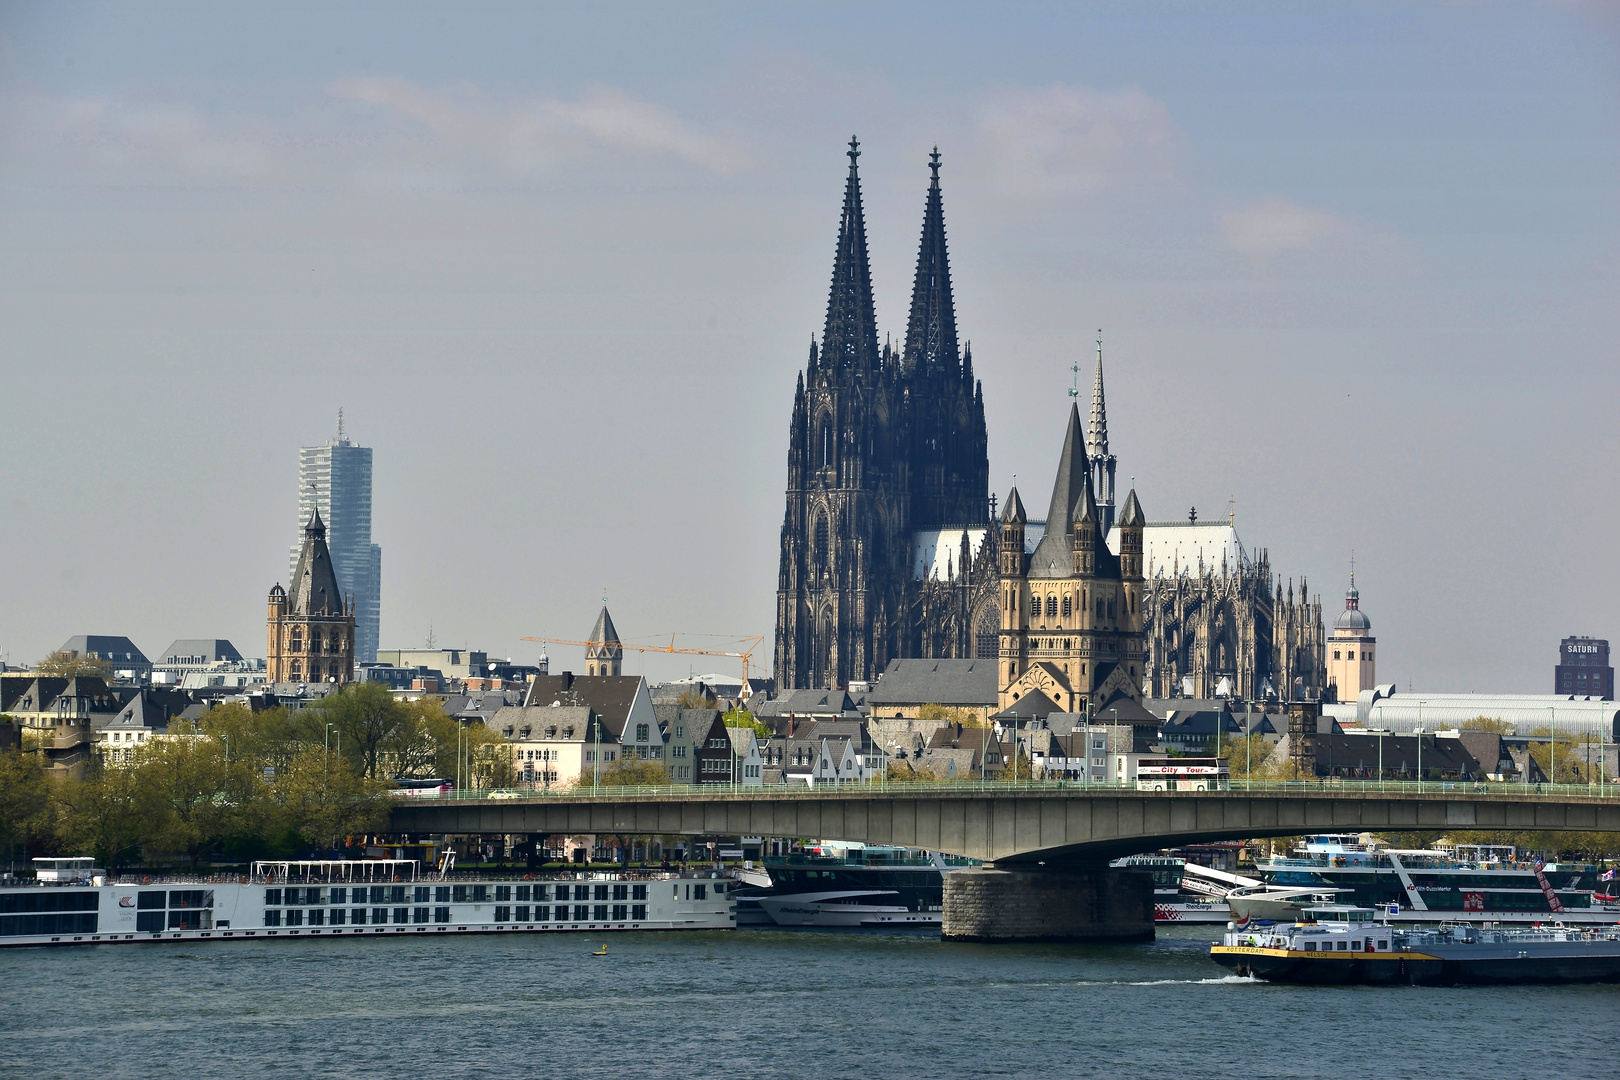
[337,479]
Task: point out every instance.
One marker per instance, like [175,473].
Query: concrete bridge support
[1038,903]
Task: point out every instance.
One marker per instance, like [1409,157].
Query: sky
[1355,267]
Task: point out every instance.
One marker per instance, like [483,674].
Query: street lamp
[1420,744]
[1552,746]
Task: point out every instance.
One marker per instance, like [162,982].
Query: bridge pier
[1037,903]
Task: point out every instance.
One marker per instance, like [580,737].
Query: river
[749,1003]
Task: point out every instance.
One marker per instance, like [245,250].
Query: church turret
[931,330]
[1132,522]
[1012,536]
[604,655]
[311,625]
[1085,533]
[1102,462]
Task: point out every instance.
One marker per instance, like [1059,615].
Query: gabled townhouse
[745,751]
[623,703]
[555,745]
[685,731]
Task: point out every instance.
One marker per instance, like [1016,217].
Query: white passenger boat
[71,902]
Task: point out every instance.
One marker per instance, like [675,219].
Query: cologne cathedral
[888,547]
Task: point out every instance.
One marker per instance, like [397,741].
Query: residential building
[1583,668]
[714,761]
[684,732]
[311,626]
[334,481]
[555,745]
[745,753]
[128,662]
[622,701]
[1352,665]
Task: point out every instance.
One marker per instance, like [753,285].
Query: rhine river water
[809,1004]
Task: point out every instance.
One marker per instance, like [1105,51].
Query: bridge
[1046,844]
[1031,823]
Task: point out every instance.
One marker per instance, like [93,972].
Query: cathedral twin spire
[851,334]
[850,338]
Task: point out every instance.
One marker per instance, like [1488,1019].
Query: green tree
[66,665]
[368,721]
[696,699]
[103,815]
[633,772]
[24,800]
[192,794]
[1494,725]
[742,718]
[948,715]
[321,797]
[1249,757]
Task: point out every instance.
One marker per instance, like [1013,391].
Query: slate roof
[604,630]
[941,682]
[1032,706]
[1054,556]
[143,711]
[211,650]
[610,695]
[119,650]
[807,703]
[314,587]
[546,723]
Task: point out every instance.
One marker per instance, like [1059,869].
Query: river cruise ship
[848,885]
[70,902]
[1342,943]
[1432,885]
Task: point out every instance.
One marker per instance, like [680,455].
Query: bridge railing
[1328,786]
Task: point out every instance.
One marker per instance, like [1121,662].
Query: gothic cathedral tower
[881,444]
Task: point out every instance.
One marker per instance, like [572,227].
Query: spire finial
[854,150]
[1074,389]
[933,165]
[1352,568]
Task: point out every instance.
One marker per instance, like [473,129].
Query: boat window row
[423,914]
[48,900]
[450,894]
[65,922]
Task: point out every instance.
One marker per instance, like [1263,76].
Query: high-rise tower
[335,481]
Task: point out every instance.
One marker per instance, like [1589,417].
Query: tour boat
[71,902]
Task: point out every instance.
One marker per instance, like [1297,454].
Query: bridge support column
[1038,903]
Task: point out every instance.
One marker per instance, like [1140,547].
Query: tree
[192,795]
[1492,724]
[742,718]
[66,665]
[1249,757]
[696,699]
[24,800]
[367,718]
[102,814]
[945,714]
[632,772]
[321,797]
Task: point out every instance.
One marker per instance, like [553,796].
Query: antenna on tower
[340,423]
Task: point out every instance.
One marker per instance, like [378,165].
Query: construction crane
[745,655]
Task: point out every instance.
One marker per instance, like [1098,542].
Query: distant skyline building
[335,481]
[1583,668]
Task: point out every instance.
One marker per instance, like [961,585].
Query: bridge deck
[1021,823]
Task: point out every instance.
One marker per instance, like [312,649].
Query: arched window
[297,640]
[820,549]
[1066,606]
[1051,606]
[826,442]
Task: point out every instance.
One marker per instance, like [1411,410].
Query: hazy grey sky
[1356,267]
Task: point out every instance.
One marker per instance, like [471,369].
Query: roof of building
[1014,510]
[743,740]
[938,555]
[1352,618]
[604,630]
[610,695]
[104,647]
[314,588]
[807,703]
[1186,548]
[1132,514]
[939,682]
[199,651]
[547,723]
[1032,706]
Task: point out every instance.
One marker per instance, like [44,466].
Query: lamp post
[1420,745]
[1087,759]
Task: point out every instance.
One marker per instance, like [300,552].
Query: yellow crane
[744,655]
